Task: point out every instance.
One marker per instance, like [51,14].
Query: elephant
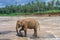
[27,23]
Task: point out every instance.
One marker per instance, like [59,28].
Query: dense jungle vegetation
[34,7]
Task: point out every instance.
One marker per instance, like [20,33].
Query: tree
[58,4]
[51,5]
[38,5]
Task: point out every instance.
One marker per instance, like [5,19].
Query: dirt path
[49,28]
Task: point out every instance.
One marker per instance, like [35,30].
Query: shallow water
[49,29]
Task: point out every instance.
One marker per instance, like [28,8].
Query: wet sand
[49,28]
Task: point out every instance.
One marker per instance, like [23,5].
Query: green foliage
[30,8]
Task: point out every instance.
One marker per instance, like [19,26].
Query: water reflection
[4,39]
[46,35]
[6,32]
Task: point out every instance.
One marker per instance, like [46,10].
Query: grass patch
[41,12]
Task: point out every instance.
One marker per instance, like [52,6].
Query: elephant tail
[38,26]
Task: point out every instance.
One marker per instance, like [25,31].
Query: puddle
[10,34]
[4,39]
[40,36]
[6,32]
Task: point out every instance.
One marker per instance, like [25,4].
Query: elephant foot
[35,36]
[20,35]
[25,36]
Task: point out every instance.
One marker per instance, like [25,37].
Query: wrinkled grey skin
[25,24]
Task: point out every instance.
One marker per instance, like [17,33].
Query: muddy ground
[49,28]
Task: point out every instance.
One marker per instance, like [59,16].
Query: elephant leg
[20,31]
[25,31]
[17,27]
[35,32]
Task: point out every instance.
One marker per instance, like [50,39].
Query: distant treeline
[31,7]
